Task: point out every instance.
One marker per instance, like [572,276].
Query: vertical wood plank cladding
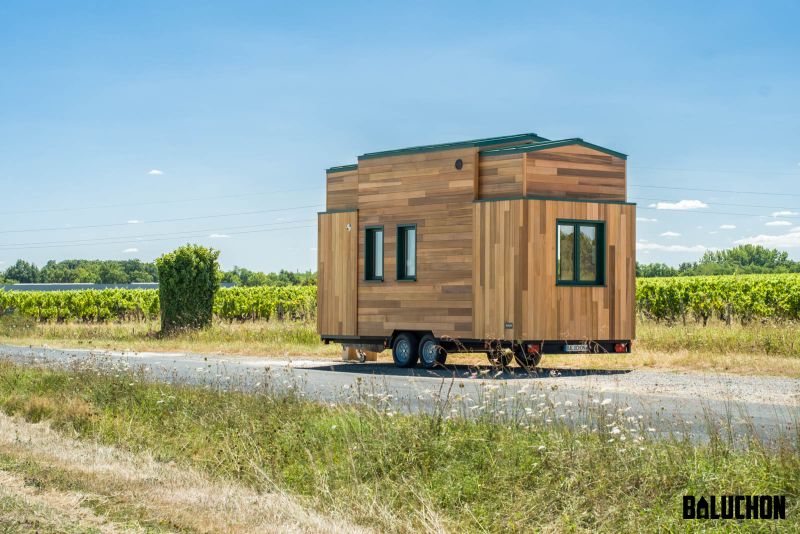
[342,190]
[338,260]
[426,190]
[501,176]
[499,274]
[575,172]
[575,312]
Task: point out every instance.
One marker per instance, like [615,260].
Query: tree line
[743,259]
[132,271]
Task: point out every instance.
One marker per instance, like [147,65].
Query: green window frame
[581,261]
[407,252]
[373,253]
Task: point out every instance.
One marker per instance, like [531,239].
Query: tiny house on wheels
[513,246]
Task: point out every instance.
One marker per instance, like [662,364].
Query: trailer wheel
[499,357]
[431,353]
[405,350]
[525,359]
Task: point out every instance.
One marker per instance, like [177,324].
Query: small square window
[407,252]
[580,258]
[373,255]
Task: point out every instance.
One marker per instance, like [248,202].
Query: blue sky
[240,106]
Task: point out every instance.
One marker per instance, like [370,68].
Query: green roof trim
[474,143]
[343,168]
[551,144]
[556,199]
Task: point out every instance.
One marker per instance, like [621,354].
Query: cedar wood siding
[336,272]
[574,172]
[501,176]
[342,190]
[515,273]
[423,189]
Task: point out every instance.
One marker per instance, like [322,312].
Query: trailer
[516,246]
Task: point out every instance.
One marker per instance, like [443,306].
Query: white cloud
[645,219]
[219,236]
[134,221]
[643,241]
[784,213]
[680,205]
[155,172]
[670,233]
[727,227]
[130,250]
[792,239]
[669,248]
[779,223]
[714,232]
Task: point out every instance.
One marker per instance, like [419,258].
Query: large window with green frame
[580,254]
[373,255]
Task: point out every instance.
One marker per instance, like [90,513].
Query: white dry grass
[185,498]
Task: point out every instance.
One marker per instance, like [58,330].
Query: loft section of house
[513,246]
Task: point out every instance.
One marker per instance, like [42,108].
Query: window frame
[369,254]
[600,232]
[401,251]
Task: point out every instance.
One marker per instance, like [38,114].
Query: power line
[724,204]
[180,219]
[709,171]
[705,212]
[99,240]
[128,241]
[717,190]
[159,202]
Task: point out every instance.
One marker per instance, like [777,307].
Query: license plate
[583,347]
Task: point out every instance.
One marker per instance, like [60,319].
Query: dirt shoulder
[53,483]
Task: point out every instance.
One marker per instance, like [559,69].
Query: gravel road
[670,401]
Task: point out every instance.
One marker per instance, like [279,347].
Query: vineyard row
[729,298]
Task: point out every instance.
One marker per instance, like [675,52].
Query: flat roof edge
[551,144]
[474,143]
[343,168]
[556,199]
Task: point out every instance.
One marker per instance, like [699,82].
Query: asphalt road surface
[664,402]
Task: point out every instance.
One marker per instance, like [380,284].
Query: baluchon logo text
[735,507]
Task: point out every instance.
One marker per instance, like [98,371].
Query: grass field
[508,470]
[770,348]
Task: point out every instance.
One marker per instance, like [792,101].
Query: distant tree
[22,272]
[646,270]
[743,259]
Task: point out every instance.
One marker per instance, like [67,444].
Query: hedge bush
[188,279]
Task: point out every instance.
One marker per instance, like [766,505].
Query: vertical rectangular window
[580,258]
[407,252]
[373,257]
[565,262]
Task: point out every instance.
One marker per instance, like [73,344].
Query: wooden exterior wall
[480,264]
[337,287]
[501,176]
[427,190]
[342,190]
[515,273]
[574,172]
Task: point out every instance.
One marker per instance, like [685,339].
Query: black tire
[499,357]
[431,353]
[405,350]
[525,359]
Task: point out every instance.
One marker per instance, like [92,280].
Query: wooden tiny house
[514,242]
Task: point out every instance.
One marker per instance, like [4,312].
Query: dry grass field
[765,349]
